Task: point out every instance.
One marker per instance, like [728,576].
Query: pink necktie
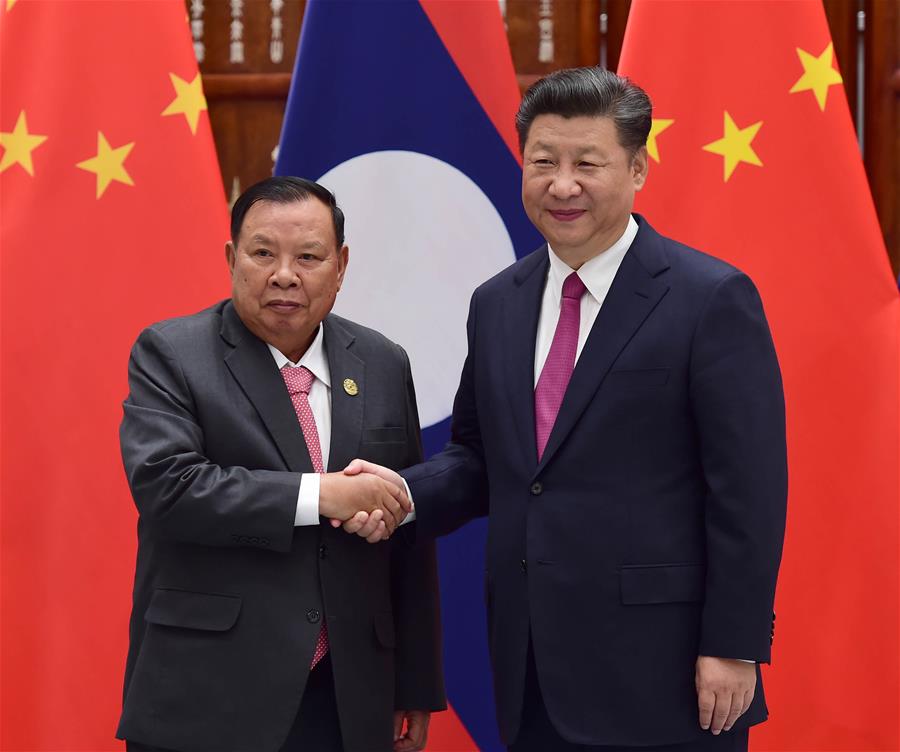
[554,378]
[299,381]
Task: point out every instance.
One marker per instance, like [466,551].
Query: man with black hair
[620,420]
[255,627]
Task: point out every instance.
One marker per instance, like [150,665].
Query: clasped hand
[363,500]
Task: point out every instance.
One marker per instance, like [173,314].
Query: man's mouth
[283,306]
[566,215]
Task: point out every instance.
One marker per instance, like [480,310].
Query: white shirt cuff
[411,517]
[308,500]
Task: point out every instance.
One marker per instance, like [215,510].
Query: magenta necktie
[554,378]
[299,381]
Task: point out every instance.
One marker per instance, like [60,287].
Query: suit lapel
[634,293]
[253,367]
[346,409]
[521,308]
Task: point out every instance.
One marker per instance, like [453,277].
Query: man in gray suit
[255,627]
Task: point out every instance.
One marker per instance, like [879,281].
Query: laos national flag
[405,110]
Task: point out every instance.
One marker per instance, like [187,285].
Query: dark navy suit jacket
[651,529]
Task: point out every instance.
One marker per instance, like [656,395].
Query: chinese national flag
[754,160]
[112,216]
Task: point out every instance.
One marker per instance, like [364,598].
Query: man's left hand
[725,688]
[416,734]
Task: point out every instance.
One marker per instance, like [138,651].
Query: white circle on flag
[422,237]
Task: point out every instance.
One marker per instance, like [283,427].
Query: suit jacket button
[322,549]
[313,615]
[524,565]
[537,488]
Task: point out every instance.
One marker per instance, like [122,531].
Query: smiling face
[286,270]
[578,184]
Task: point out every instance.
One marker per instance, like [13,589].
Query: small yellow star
[18,145]
[658,125]
[189,100]
[109,164]
[735,145]
[9,5]
[818,75]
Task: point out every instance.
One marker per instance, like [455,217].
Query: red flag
[754,160]
[113,216]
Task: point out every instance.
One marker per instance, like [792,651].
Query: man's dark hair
[595,92]
[286,190]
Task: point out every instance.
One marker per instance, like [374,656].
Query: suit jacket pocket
[182,608]
[384,434]
[644,584]
[643,377]
[384,628]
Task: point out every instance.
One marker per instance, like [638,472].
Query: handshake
[367,499]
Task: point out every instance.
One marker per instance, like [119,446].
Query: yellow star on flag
[189,100]
[18,145]
[735,145]
[657,126]
[109,164]
[818,74]
[9,5]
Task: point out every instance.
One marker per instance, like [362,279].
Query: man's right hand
[370,526]
[342,496]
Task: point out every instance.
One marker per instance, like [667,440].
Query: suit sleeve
[451,488]
[178,491]
[419,681]
[738,405]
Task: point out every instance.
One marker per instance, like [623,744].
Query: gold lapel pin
[350,387]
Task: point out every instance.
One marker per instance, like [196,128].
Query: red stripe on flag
[446,733]
[474,36]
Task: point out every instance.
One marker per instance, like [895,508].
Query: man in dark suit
[620,420]
[254,627]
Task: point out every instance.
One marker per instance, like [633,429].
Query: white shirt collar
[598,273]
[314,358]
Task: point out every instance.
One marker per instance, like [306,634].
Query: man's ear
[640,164]
[230,255]
[343,260]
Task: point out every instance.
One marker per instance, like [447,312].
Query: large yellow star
[109,164]
[657,126]
[18,145]
[189,100]
[735,145]
[818,74]
[9,5]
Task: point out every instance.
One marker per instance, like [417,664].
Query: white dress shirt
[597,275]
[320,403]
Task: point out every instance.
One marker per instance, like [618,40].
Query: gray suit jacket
[229,595]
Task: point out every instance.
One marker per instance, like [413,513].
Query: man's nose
[284,276]
[564,185]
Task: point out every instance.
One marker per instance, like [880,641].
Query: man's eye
[586,164]
[542,162]
[263,252]
[307,257]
